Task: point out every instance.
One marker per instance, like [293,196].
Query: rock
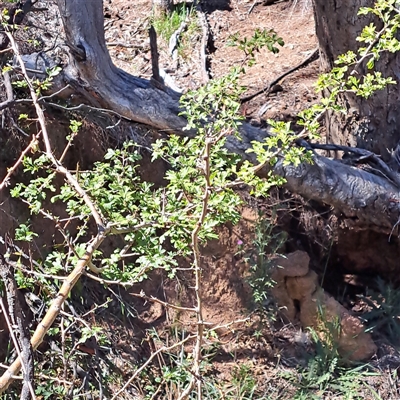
[354,343]
[284,301]
[301,287]
[297,288]
[293,265]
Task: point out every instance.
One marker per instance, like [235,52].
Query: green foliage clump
[266,243]
[252,45]
[166,24]
[182,18]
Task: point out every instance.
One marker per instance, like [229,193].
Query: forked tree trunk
[372,124]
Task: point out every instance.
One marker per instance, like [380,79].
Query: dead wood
[267,89]
[18,328]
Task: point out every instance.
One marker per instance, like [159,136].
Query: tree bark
[92,69]
[363,200]
[371,124]
[161,7]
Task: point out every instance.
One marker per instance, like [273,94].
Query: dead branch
[312,57]
[10,171]
[149,360]
[154,56]
[165,304]
[362,156]
[174,40]
[21,337]
[204,42]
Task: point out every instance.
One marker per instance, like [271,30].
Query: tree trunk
[161,7]
[106,85]
[371,124]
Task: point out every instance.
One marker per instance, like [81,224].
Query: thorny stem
[197,271]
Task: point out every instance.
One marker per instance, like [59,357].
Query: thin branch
[312,57]
[60,168]
[153,299]
[6,180]
[196,374]
[44,98]
[88,107]
[149,360]
[22,343]
[368,49]
[107,281]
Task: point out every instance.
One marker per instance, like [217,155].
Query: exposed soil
[269,349]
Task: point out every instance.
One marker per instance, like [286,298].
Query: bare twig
[126,45]
[10,171]
[149,360]
[21,340]
[87,107]
[204,42]
[163,303]
[312,57]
